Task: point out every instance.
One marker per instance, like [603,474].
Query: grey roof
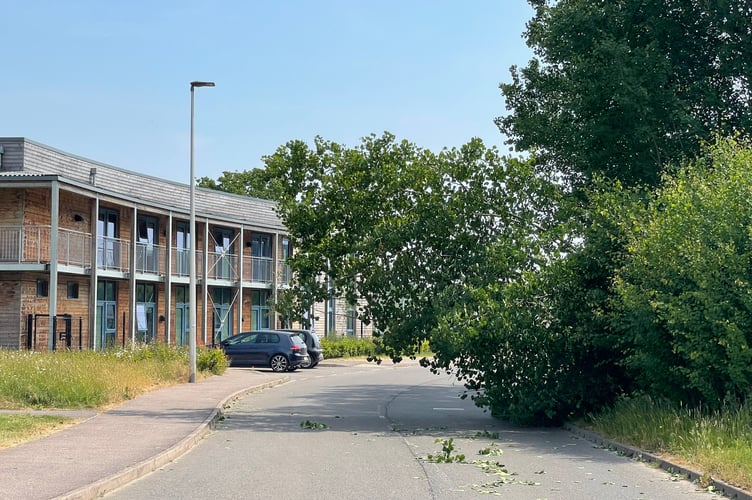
[26,159]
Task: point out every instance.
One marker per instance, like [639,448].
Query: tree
[625,87]
[254,183]
[445,247]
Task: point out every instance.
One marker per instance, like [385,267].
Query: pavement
[111,448]
[108,449]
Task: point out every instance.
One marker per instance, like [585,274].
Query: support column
[52,290]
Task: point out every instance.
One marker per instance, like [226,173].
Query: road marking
[449,409]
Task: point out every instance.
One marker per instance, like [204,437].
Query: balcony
[223,266]
[258,269]
[148,259]
[30,244]
[27,247]
[284,273]
[112,254]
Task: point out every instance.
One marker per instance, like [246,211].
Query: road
[375,432]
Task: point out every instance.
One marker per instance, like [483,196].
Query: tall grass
[87,379]
[718,443]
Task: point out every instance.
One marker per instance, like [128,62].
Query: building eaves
[40,160]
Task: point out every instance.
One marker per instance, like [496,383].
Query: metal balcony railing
[258,269]
[180,262]
[31,244]
[223,266]
[149,258]
[112,254]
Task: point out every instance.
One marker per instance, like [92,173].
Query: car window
[261,338]
[296,339]
[247,339]
[236,340]
[272,338]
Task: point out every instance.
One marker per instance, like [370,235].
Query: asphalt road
[367,431]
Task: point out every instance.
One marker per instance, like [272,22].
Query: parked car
[312,342]
[278,350]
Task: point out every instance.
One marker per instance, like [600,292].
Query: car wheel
[279,363]
[306,363]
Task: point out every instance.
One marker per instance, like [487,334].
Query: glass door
[146,254]
[261,250]
[146,307]
[260,310]
[223,253]
[182,248]
[106,320]
[182,319]
[222,313]
[108,248]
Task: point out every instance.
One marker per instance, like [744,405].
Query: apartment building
[93,256]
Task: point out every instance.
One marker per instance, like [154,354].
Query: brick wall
[11,206]
[10,312]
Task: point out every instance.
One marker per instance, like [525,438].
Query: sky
[109,80]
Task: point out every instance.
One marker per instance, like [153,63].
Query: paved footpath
[111,448]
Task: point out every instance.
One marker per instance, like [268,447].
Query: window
[331,316]
[43,288]
[261,245]
[350,320]
[72,290]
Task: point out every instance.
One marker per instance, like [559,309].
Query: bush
[686,289]
[211,360]
[344,347]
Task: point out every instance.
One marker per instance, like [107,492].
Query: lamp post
[192,257]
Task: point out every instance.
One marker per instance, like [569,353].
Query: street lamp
[192,257]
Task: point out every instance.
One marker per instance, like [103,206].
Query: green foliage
[213,361]
[447,447]
[346,347]
[307,424]
[255,183]
[441,246]
[685,291]
[624,87]
[406,222]
[492,451]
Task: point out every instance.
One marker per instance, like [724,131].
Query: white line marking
[449,409]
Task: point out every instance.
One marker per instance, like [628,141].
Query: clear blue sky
[109,80]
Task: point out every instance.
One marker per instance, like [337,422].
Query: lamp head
[201,84]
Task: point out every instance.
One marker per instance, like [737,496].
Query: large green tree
[402,227]
[625,87]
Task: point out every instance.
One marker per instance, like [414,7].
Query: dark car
[278,350]
[312,342]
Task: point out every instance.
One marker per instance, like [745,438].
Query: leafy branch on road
[307,424]
[447,447]
[503,476]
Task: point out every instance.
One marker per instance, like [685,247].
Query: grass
[16,429]
[86,380]
[717,443]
